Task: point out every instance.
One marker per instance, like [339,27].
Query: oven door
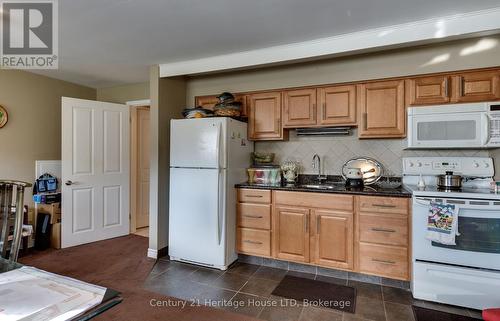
[448,130]
[478,244]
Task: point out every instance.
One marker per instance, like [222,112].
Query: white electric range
[466,274]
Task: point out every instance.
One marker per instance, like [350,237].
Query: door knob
[68,183]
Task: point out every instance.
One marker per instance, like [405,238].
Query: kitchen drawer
[247,195]
[315,200]
[383,228]
[251,241]
[254,215]
[384,260]
[379,204]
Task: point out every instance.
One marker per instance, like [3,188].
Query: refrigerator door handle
[218,206]
[217,144]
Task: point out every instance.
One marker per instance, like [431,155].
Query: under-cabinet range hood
[324,131]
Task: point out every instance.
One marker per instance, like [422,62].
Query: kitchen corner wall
[335,151]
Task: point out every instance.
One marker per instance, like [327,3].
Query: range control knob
[486,165]
[419,164]
[411,164]
[475,164]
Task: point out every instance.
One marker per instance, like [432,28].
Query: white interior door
[95,171]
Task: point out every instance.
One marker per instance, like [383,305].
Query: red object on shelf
[491,314]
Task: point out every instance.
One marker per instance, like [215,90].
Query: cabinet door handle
[318,224]
[252,242]
[255,196]
[365,121]
[383,261]
[379,229]
[446,87]
[384,205]
[253,216]
[307,223]
[462,86]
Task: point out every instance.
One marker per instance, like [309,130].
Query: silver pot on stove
[449,181]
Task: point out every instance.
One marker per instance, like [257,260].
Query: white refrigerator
[207,157]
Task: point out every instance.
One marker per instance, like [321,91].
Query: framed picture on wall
[3,117]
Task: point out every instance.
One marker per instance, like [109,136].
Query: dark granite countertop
[391,187]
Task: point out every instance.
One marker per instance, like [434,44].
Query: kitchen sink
[321,186]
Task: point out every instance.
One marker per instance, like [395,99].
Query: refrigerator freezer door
[197,222]
[197,143]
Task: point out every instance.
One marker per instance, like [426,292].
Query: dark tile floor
[246,289]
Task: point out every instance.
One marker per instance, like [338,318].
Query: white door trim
[142,102]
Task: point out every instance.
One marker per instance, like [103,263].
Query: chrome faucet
[320,177]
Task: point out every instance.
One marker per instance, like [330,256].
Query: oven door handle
[423,201]
[485,207]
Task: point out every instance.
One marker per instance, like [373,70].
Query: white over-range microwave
[472,125]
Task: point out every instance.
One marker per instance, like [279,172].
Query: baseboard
[156,254]
[153,253]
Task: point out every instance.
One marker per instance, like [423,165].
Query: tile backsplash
[335,151]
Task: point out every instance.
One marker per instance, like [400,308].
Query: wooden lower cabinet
[291,233]
[367,234]
[332,242]
[253,241]
[384,260]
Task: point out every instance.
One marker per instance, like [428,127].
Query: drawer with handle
[378,204]
[247,195]
[254,215]
[387,229]
[384,260]
[255,242]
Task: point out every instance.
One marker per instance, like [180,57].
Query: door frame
[134,106]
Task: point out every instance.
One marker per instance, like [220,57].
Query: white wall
[168,98]
[33,132]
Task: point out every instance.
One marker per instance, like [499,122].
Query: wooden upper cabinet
[337,105]
[299,108]
[264,116]
[291,233]
[476,86]
[381,108]
[428,90]
[333,240]
[207,102]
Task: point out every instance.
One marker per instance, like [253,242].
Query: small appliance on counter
[361,171]
[354,177]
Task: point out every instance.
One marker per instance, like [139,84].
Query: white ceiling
[111,42]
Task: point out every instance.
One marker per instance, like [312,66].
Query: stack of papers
[32,294]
